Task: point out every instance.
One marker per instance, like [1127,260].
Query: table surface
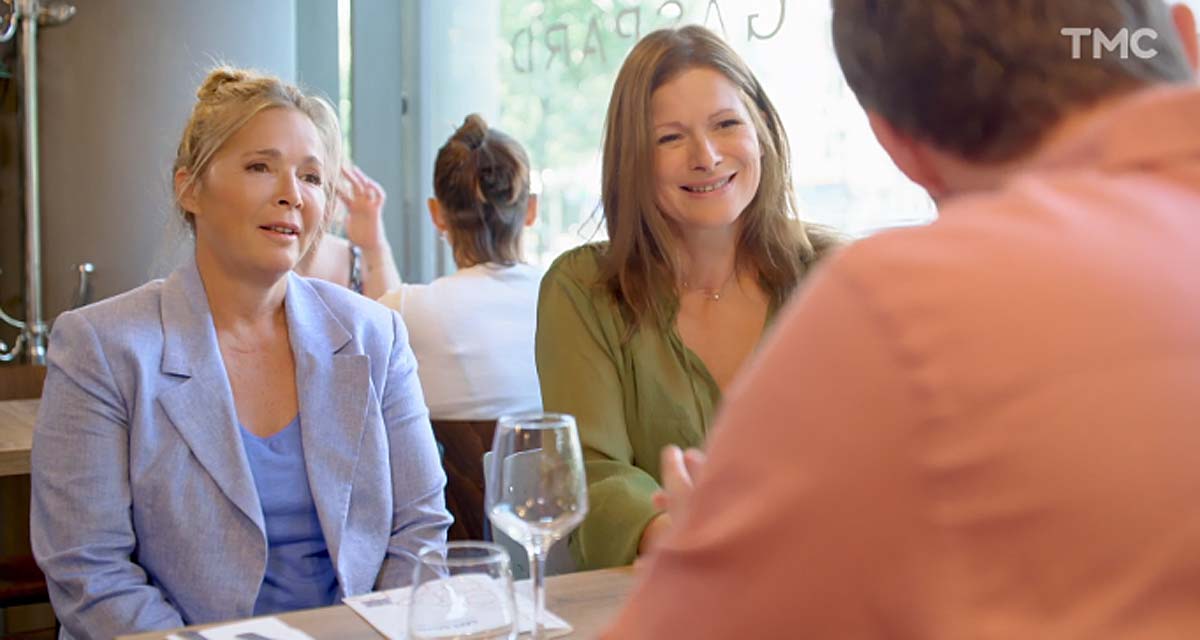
[587,600]
[16,435]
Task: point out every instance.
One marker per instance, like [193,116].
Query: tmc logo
[1120,44]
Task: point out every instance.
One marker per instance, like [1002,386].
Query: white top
[472,332]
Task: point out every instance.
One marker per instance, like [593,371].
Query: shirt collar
[1146,128]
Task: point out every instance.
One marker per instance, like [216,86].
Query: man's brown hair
[986,79]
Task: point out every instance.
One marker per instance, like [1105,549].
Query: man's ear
[531,210]
[185,193]
[1185,24]
[911,156]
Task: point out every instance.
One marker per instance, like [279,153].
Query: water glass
[463,591]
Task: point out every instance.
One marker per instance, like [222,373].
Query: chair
[463,443]
[558,560]
[21,582]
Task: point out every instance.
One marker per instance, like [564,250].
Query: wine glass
[536,489]
[462,590]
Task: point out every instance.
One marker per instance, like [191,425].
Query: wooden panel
[16,435]
[21,381]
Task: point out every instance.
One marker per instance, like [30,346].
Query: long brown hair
[639,268]
[481,180]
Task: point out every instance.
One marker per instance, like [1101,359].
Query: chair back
[463,443]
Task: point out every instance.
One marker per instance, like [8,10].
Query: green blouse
[629,400]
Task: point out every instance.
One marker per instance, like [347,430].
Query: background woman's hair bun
[473,132]
[481,180]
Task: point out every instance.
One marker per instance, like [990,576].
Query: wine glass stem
[537,570]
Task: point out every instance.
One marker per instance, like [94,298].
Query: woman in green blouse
[638,337]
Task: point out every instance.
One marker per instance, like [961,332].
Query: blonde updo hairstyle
[226,100]
[481,180]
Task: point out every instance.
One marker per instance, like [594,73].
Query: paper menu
[387,611]
[255,629]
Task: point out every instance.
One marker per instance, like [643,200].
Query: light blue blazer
[145,514]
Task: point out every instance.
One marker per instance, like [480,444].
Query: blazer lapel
[334,388]
[202,407]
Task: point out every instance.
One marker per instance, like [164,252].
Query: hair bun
[218,78]
[473,132]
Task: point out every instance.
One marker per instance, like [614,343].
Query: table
[588,600]
[16,435]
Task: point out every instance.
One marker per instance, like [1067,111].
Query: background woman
[472,331]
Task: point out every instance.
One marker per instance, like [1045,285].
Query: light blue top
[299,572]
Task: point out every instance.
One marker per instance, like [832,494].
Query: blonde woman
[638,337]
[234,440]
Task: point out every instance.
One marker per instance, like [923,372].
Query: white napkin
[387,611]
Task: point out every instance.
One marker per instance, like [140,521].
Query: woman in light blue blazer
[233,440]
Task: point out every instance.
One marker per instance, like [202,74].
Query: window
[542,71]
[557,60]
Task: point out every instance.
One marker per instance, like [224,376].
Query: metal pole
[35,326]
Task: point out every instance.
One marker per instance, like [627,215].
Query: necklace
[713,295]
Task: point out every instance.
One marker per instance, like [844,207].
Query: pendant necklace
[713,295]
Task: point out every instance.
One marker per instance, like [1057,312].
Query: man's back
[982,428]
[1055,327]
